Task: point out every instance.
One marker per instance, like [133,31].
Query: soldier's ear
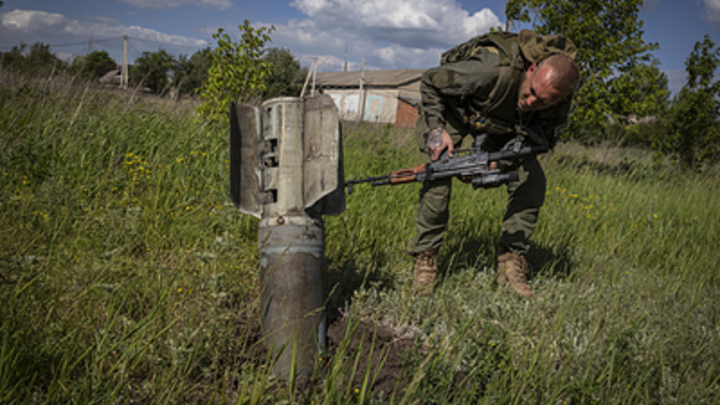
[531,68]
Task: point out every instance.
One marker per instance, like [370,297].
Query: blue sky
[390,34]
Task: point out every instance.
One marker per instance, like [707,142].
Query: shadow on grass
[480,252]
[351,271]
[553,261]
[464,252]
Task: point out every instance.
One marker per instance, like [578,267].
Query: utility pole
[124,73]
[307,79]
[314,76]
[345,66]
[361,96]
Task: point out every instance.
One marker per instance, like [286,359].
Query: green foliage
[286,77]
[94,65]
[635,134]
[116,230]
[693,130]
[127,275]
[191,74]
[38,60]
[237,73]
[151,70]
[642,92]
[612,56]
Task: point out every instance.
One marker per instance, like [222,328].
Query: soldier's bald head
[562,73]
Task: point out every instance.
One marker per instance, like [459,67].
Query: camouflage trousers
[524,199]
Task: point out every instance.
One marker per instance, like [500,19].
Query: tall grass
[127,277]
[626,266]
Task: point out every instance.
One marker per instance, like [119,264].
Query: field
[127,276]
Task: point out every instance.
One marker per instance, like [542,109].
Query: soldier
[500,84]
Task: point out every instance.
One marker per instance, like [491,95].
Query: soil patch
[391,344]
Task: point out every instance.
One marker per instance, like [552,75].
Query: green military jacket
[454,95]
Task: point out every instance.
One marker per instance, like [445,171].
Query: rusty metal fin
[246,164]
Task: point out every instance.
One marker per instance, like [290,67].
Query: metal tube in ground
[292,246]
[292,306]
[286,169]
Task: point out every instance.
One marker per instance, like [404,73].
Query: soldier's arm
[457,81]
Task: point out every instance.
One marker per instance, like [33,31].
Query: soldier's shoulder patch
[442,78]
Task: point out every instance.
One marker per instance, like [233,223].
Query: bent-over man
[501,85]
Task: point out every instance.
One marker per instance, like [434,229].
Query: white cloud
[30,26]
[169,4]
[391,34]
[711,12]
[28,21]
[413,23]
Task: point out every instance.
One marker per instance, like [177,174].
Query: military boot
[512,271]
[425,271]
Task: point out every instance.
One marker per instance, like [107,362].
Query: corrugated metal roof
[392,78]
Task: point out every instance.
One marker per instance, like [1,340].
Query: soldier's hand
[438,140]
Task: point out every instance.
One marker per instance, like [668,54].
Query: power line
[68,43]
[94,41]
[90,42]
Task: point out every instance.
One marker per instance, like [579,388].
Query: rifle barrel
[375,181]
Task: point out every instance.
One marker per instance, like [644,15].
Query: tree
[286,77]
[643,91]
[93,65]
[152,68]
[608,34]
[693,132]
[15,58]
[237,73]
[37,60]
[191,74]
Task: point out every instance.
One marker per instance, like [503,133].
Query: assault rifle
[470,165]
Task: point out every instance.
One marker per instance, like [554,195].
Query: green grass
[128,277]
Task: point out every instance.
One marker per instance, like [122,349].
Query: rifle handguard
[406,175]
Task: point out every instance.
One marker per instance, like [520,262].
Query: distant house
[388,96]
[111,77]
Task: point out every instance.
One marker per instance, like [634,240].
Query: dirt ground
[392,342]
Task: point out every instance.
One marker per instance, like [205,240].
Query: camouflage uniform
[452,95]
